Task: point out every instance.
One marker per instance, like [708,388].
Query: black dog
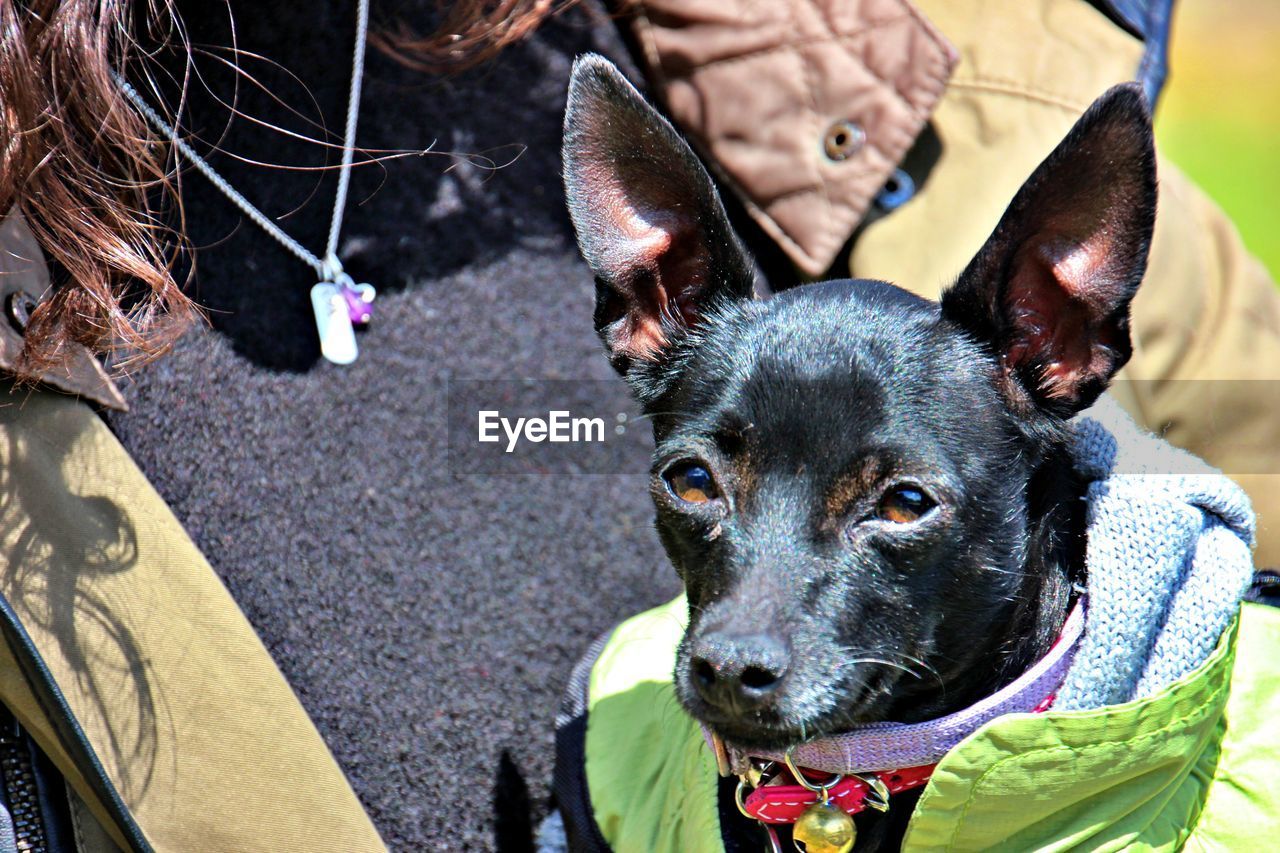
[865,492]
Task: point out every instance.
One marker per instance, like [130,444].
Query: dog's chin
[755,738]
[776,737]
[761,730]
[868,701]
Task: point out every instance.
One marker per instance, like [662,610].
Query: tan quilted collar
[805,107]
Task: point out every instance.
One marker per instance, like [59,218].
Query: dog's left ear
[1050,289]
[649,220]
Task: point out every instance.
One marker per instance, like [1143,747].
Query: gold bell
[824,828]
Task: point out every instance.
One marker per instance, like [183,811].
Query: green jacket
[1195,767]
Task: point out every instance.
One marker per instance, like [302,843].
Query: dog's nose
[738,672]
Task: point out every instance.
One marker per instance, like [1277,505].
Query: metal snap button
[896,192]
[843,139]
[19,306]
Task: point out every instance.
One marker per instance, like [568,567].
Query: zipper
[1266,578]
[1265,588]
[21,790]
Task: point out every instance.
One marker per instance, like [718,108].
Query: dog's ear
[649,220]
[1050,290]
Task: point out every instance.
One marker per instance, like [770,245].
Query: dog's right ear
[649,221]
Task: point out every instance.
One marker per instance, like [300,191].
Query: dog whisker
[862,655]
[870,659]
[648,416]
[877,656]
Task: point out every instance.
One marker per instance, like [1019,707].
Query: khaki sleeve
[195,727]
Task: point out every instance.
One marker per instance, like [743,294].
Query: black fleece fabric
[427,615]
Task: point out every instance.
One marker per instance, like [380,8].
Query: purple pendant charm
[359,302]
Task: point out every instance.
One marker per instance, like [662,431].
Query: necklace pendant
[333,323]
[359,301]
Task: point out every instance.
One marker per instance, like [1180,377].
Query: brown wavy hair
[97,185]
[90,179]
[470,32]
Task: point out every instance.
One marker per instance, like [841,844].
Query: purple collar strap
[891,746]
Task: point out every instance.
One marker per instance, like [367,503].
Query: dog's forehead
[821,324]
[826,369]
[851,341]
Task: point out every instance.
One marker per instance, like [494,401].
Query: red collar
[779,802]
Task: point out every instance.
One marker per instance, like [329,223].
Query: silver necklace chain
[329,268]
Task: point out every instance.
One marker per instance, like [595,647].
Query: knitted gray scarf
[1168,557]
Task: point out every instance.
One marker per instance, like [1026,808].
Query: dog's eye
[904,504]
[691,483]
